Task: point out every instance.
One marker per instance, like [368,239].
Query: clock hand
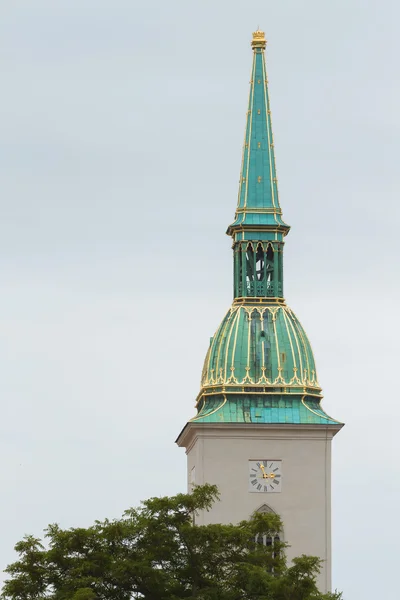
[266,475]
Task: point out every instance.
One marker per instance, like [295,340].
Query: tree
[157,552]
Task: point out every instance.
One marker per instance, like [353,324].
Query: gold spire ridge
[259,40]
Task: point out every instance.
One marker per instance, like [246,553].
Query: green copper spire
[258,229]
[259,367]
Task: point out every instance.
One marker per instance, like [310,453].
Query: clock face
[265,476]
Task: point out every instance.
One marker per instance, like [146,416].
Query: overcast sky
[121,130]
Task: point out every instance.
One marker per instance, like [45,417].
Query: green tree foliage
[157,552]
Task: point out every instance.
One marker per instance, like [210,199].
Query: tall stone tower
[260,432]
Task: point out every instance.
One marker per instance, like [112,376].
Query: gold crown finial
[259,40]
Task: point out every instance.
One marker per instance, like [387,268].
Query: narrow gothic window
[269,271]
[260,263]
[250,270]
[271,539]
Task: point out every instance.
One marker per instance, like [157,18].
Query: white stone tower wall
[219,454]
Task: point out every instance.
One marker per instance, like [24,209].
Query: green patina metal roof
[258,201]
[261,345]
[259,367]
[262,408]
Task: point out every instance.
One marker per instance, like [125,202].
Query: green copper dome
[260,346]
[259,367]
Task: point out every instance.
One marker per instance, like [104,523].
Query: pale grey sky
[121,129]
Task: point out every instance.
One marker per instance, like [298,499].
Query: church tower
[260,433]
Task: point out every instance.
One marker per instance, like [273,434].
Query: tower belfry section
[260,433]
[258,229]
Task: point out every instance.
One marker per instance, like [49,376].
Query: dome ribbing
[260,346]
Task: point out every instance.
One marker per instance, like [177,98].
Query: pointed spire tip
[259,40]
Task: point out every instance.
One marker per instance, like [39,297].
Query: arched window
[273,538]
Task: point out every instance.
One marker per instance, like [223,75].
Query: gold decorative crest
[259,40]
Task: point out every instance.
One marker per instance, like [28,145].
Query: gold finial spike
[259,40]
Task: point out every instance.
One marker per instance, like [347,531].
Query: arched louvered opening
[238,278]
[269,269]
[257,270]
[250,270]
